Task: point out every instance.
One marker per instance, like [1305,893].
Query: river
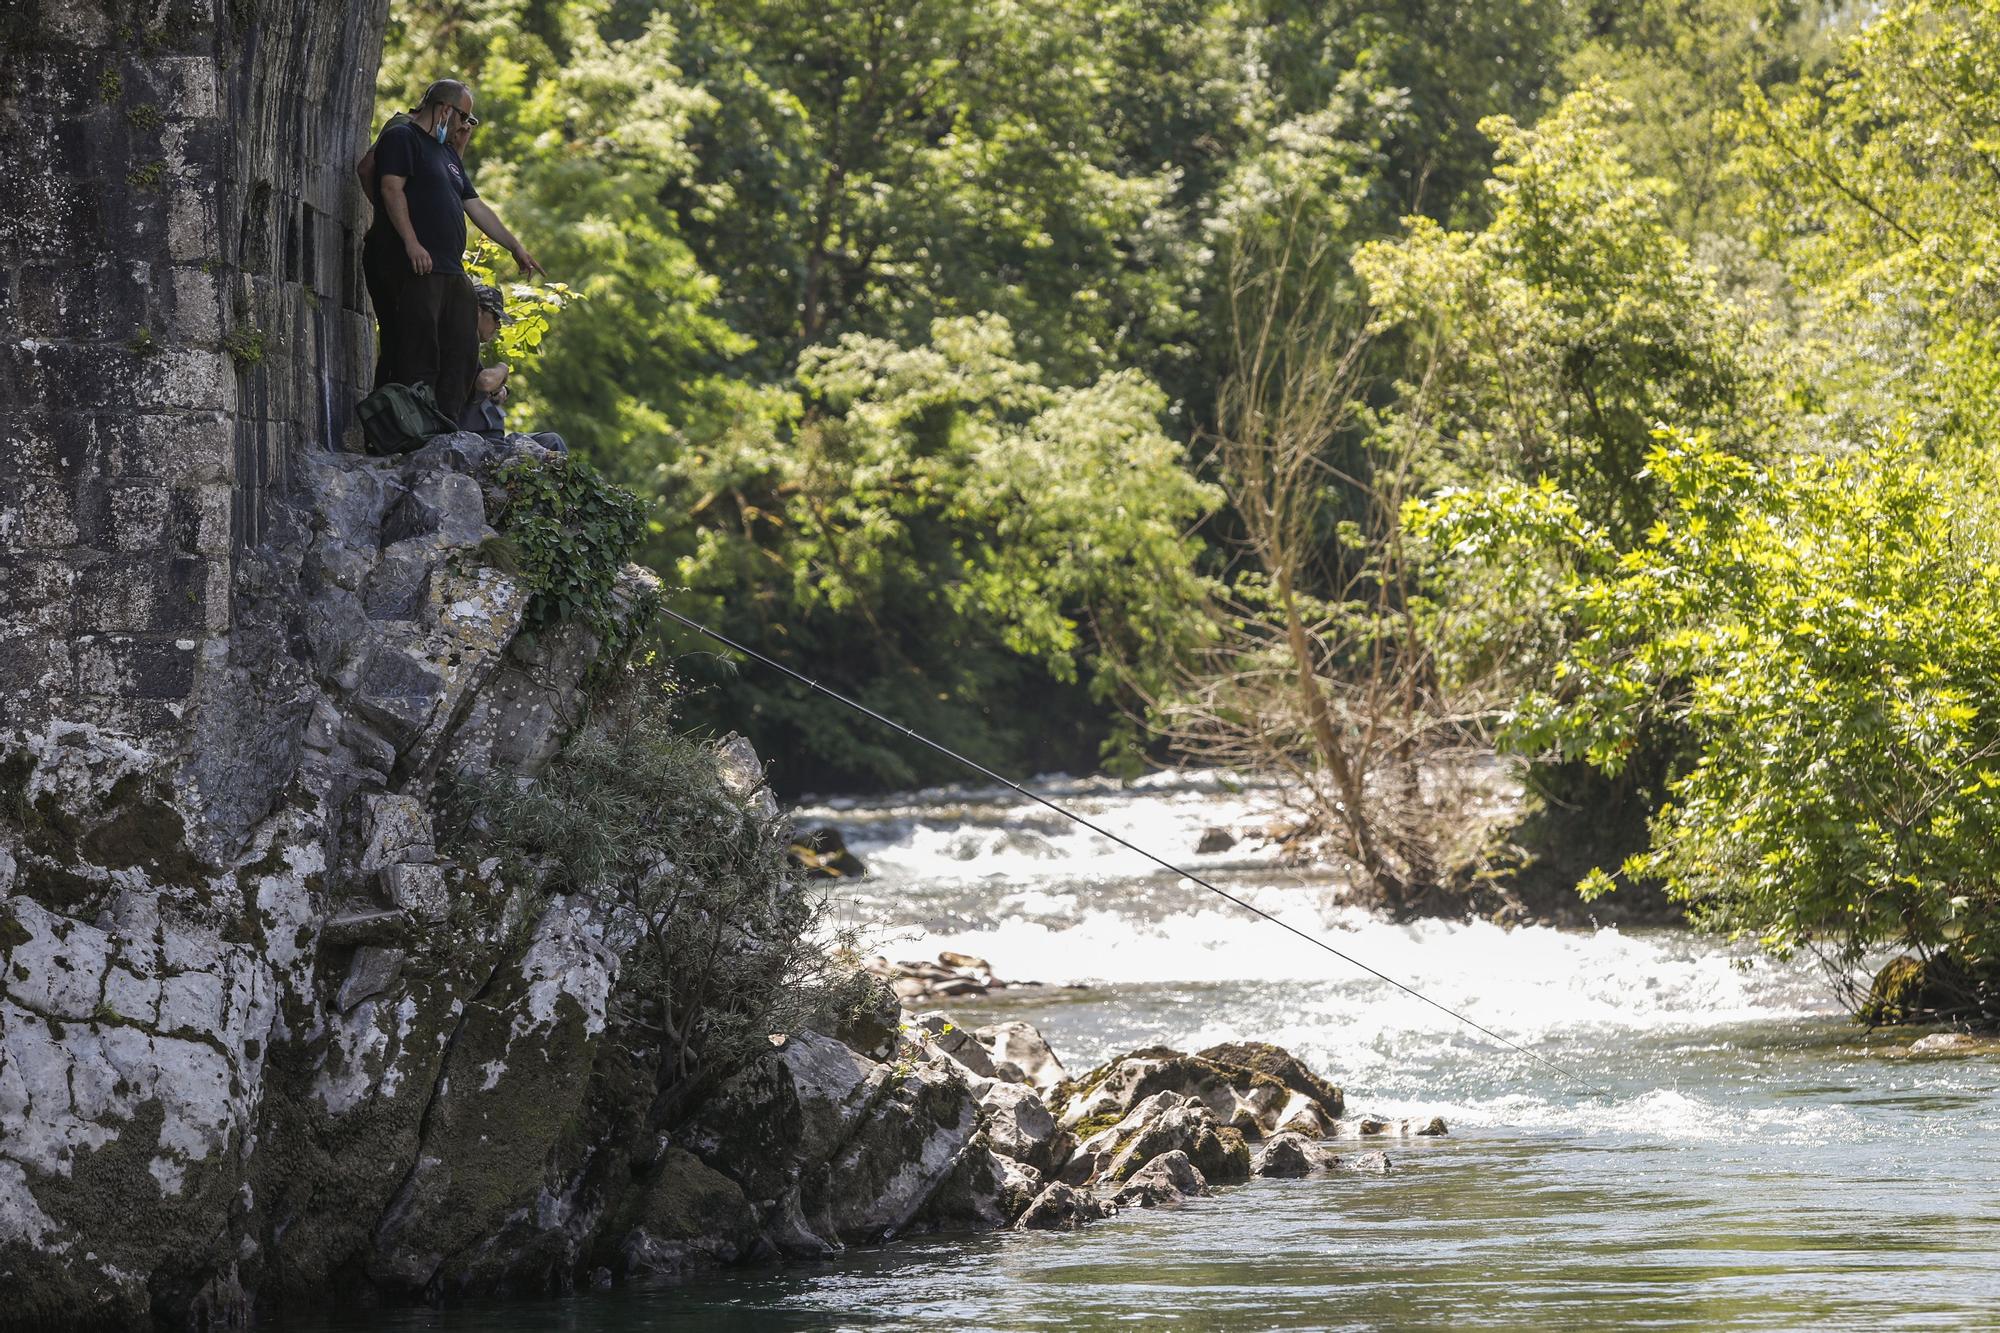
[1744,1156]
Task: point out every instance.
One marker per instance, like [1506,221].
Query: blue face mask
[442,131]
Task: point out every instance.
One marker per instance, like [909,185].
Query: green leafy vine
[571,532]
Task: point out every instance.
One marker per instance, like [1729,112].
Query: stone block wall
[180,314]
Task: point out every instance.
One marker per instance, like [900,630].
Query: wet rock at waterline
[1214,840]
[1288,1156]
[1168,1178]
[1021,1055]
[1063,1207]
[1240,1096]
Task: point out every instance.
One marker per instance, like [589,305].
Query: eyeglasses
[471,121]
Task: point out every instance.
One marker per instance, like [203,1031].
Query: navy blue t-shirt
[435,186]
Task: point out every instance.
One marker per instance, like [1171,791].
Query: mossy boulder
[1248,1099]
[691,1216]
[1940,989]
[1264,1058]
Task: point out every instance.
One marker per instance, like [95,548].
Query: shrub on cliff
[721,939]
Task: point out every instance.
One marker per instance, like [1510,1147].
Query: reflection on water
[1755,1161]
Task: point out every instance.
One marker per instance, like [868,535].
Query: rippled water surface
[1743,1158]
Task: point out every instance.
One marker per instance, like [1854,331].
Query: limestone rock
[1061,1207]
[1021,1127]
[416,889]
[946,1038]
[494,1196]
[1288,1156]
[394,829]
[865,1146]
[1190,1128]
[691,1216]
[1246,1099]
[1168,1178]
[373,971]
[1281,1064]
[1020,1054]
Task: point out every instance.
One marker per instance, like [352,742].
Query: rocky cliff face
[249,1013]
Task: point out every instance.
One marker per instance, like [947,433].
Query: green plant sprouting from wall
[570,532]
[245,346]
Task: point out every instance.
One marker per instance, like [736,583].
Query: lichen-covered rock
[246,1005]
[1217,1151]
[494,1199]
[1247,1100]
[1281,1064]
[834,1148]
[1168,1178]
[943,1037]
[1020,1127]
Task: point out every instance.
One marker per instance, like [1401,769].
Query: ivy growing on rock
[570,533]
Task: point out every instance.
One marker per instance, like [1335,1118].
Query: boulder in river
[839,1149]
[692,1216]
[1164,1122]
[1282,1065]
[1168,1178]
[1021,1127]
[1945,1043]
[1020,1054]
[1241,1097]
[1288,1156]
[1061,1207]
[1214,840]
[916,981]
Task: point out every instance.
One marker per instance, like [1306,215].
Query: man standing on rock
[431,329]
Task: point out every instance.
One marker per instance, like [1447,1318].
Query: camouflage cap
[489,298]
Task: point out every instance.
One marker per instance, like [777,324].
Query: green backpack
[397,418]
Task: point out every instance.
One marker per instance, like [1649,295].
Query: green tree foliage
[1879,185]
[1828,632]
[1679,69]
[1552,341]
[969,515]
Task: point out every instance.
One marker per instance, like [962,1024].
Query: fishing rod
[1103,832]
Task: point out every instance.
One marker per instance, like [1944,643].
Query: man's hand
[420,258]
[527,262]
[493,381]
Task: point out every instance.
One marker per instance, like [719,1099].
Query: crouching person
[485,413]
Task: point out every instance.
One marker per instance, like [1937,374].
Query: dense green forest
[1322,388]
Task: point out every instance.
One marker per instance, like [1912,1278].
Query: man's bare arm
[399,218]
[489,222]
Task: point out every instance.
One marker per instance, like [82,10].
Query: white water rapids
[1756,1160]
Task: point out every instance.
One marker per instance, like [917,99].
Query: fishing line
[1103,832]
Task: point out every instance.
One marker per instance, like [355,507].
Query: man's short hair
[445,92]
